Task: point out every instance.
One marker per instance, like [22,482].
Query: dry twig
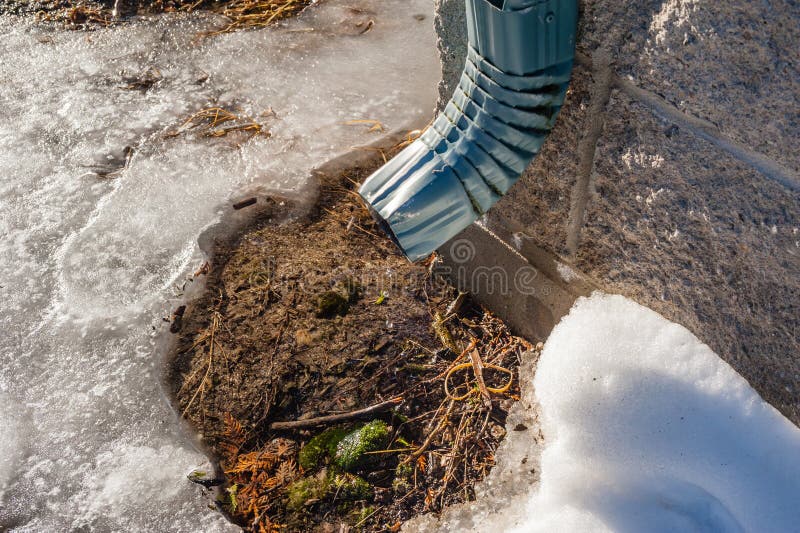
[333,419]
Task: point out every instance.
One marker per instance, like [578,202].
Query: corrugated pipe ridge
[489,132]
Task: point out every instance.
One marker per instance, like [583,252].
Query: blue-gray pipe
[518,66]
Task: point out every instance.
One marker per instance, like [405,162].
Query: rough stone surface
[703,239]
[736,64]
[451,27]
[645,204]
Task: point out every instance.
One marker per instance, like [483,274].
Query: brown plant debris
[366,412]
[84,14]
[142,82]
[218,122]
[374,125]
[74,14]
[388,404]
[248,14]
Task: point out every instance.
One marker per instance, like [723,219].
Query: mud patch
[337,384]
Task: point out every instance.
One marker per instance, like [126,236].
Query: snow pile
[645,429]
[88,258]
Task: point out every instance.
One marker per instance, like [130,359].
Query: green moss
[352,488]
[320,446]
[362,515]
[402,418]
[416,367]
[402,476]
[401,486]
[351,449]
[327,485]
[403,470]
[307,489]
[228,498]
[332,303]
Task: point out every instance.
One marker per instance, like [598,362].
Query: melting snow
[644,429]
[86,263]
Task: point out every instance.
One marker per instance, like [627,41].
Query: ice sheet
[89,265]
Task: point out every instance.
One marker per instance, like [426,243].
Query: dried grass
[242,14]
[248,14]
[218,122]
[77,14]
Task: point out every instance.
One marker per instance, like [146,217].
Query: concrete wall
[672,174]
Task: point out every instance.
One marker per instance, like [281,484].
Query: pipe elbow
[518,67]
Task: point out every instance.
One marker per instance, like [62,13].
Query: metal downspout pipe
[515,78]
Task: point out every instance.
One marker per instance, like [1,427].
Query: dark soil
[321,315]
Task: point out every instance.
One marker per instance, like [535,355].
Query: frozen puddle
[86,263]
[644,428]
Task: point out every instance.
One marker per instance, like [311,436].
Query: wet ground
[101,207]
[308,316]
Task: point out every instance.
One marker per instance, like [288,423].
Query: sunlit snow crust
[644,429]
